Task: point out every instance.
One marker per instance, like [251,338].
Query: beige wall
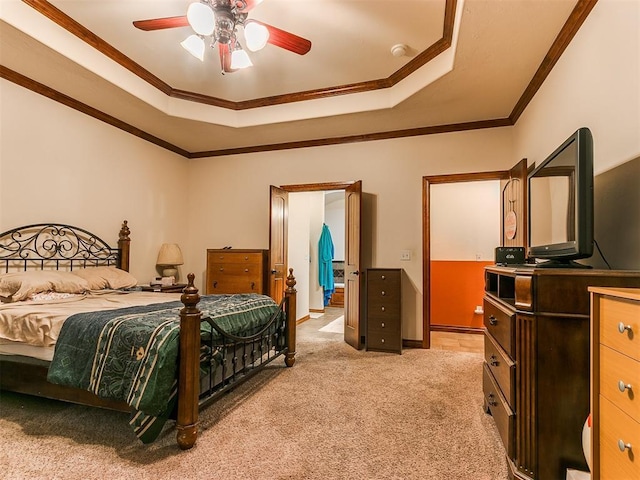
[594,84]
[59,165]
[390,170]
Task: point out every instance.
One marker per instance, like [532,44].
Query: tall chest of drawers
[236,271]
[615,380]
[384,310]
[536,377]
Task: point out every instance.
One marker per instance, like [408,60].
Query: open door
[279,213]
[353,277]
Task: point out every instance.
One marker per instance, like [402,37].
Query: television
[561,204]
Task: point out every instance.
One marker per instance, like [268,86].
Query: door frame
[427,181]
[330,186]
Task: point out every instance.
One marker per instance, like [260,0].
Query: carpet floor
[337,414]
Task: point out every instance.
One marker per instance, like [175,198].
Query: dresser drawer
[234,269]
[500,323]
[383,326]
[615,426]
[235,257]
[616,368]
[501,412]
[502,368]
[616,314]
[384,340]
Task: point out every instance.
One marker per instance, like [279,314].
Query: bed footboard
[239,358]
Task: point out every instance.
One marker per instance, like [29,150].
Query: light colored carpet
[337,414]
[336,326]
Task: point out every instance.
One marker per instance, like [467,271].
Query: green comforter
[131,354]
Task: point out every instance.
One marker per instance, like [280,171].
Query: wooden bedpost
[124,243]
[188,375]
[290,294]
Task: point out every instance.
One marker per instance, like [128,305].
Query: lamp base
[170,272]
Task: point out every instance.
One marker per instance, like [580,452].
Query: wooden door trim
[427,181]
[316,187]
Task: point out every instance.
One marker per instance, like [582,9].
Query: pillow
[99,278]
[21,285]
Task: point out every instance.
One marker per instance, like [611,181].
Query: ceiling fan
[217,21]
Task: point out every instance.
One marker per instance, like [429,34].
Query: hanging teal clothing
[325,263]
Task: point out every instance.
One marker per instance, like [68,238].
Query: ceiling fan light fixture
[201,18]
[256,35]
[195,46]
[239,58]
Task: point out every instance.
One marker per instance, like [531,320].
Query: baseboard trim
[315,310]
[411,343]
[457,329]
[303,319]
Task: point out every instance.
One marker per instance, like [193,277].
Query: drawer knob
[382,340]
[622,327]
[215,284]
[246,270]
[622,386]
[493,361]
[383,293]
[382,324]
[382,308]
[493,320]
[222,269]
[383,277]
[623,446]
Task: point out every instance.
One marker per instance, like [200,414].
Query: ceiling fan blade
[288,41]
[161,23]
[248,4]
[225,57]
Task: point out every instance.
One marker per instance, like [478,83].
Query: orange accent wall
[457,287]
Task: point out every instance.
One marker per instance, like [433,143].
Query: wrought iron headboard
[51,246]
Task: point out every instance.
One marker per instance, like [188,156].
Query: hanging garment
[325,263]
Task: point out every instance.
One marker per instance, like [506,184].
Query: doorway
[353,280]
[512,204]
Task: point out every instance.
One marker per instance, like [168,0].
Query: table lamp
[169,257]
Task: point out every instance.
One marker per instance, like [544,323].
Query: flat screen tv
[561,204]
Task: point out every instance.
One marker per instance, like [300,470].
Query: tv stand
[536,372]
[561,264]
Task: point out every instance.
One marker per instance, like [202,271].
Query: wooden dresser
[384,310]
[615,380]
[537,361]
[237,271]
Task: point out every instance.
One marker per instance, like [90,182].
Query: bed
[91,336]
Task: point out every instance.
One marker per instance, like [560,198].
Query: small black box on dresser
[384,310]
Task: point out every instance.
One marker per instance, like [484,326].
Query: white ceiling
[497,46]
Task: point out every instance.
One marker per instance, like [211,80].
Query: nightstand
[175,288]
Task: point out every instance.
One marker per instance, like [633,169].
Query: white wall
[59,165]
[465,220]
[306,211]
[334,218]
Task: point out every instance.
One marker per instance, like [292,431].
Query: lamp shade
[170,254]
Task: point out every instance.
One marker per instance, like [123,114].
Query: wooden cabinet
[537,360]
[615,380]
[237,271]
[384,312]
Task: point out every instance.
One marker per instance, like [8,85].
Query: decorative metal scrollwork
[52,244]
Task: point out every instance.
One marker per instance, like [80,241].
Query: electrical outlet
[405,255]
[478,257]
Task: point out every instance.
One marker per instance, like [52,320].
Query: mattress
[31,328]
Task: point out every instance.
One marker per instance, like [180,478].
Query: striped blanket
[131,354]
